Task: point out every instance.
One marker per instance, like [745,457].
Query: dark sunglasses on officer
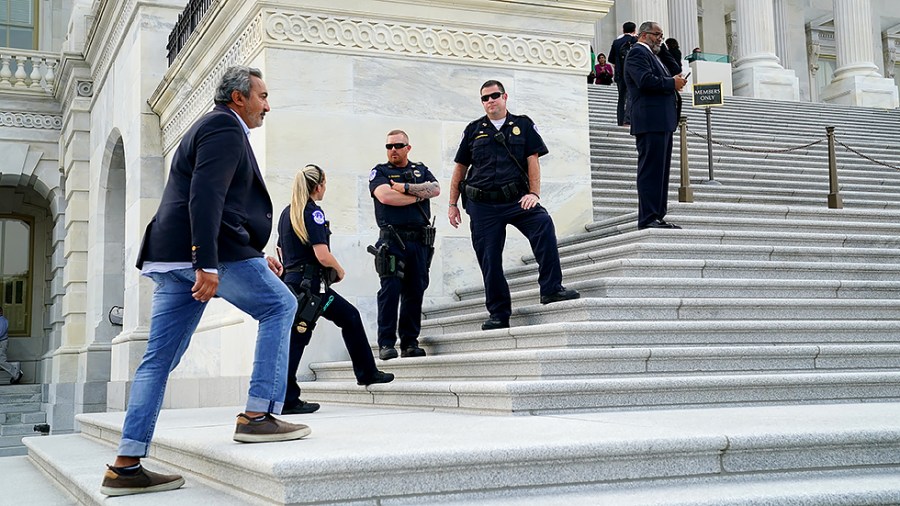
[491,96]
[397,145]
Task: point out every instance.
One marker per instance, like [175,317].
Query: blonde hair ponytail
[305,182]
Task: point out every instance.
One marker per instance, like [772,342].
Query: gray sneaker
[139,483]
[267,430]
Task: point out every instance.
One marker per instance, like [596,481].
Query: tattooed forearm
[426,190]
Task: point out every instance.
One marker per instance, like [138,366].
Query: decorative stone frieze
[111,41]
[84,88]
[30,120]
[432,41]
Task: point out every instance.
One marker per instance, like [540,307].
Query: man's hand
[206,285]
[275,265]
[529,200]
[680,81]
[454,216]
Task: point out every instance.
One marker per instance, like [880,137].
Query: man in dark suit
[652,100]
[206,240]
[626,40]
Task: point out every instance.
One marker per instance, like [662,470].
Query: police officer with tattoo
[498,175]
[401,191]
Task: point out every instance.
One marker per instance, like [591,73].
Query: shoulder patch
[318,216]
[373,174]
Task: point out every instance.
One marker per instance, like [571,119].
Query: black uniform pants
[654,163]
[343,314]
[406,294]
[621,118]
[488,225]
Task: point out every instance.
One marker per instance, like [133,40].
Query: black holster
[386,264]
[310,307]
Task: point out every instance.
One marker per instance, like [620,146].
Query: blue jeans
[251,287]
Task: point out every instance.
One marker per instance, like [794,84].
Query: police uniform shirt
[491,165]
[400,216]
[294,253]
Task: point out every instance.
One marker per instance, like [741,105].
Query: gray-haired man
[206,240]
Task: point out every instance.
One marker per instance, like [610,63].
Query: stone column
[782,28]
[757,72]
[683,24]
[651,10]
[856,80]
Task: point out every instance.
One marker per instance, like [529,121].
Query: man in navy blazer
[652,96]
[206,240]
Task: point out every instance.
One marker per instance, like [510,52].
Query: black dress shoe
[387,352]
[494,323]
[412,351]
[670,225]
[563,294]
[378,377]
[304,408]
[657,224]
[17,378]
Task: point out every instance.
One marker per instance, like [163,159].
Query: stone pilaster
[782,29]
[856,79]
[683,24]
[651,10]
[757,71]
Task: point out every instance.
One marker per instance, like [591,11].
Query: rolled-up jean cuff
[258,405]
[132,448]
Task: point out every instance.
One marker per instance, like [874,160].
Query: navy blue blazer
[651,93]
[215,207]
[613,57]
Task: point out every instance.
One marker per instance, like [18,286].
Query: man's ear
[237,97]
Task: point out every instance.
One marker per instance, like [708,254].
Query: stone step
[19,407]
[24,484]
[731,189]
[592,309]
[598,394]
[673,334]
[17,429]
[476,459]
[554,364]
[75,463]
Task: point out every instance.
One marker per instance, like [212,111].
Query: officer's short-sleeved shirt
[491,164]
[294,253]
[412,215]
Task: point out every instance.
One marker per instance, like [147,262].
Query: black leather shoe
[657,224]
[412,351]
[304,408]
[670,225]
[378,377]
[18,378]
[387,352]
[494,323]
[563,294]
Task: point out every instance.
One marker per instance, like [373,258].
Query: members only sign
[707,94]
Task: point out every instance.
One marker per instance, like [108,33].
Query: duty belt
[424,235]
[511,192]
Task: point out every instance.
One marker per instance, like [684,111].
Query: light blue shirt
[4,327]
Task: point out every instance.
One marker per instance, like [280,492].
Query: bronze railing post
[685,193]
[834,196]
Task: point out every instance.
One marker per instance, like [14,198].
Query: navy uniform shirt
[294,253]
[412,215]
[491,165]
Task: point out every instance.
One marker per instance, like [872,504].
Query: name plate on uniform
[707,94]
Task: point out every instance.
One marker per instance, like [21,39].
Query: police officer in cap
[401,191]
[499,177]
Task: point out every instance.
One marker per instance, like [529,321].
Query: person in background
[603,71]
[305,247]
[620,47]
[15,371]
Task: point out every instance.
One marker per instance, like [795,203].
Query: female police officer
[303,240]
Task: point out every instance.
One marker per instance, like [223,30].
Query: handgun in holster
[386,264]
[310,307]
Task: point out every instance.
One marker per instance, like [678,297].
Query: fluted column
[651,10]
[683,24]
[856,80]
[782,28]
[757,72]
[853,39]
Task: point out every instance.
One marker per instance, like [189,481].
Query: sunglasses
[493,96]
[396,145]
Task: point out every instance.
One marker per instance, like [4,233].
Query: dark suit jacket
[613,57]
[215,207]
[651,93]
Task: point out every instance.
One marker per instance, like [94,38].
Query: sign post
[708,95]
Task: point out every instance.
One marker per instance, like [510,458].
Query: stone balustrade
[27,70]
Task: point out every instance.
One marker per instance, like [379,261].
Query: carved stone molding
[30,120]
[84,88]
[111,42]
[201,98]
[432,41]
